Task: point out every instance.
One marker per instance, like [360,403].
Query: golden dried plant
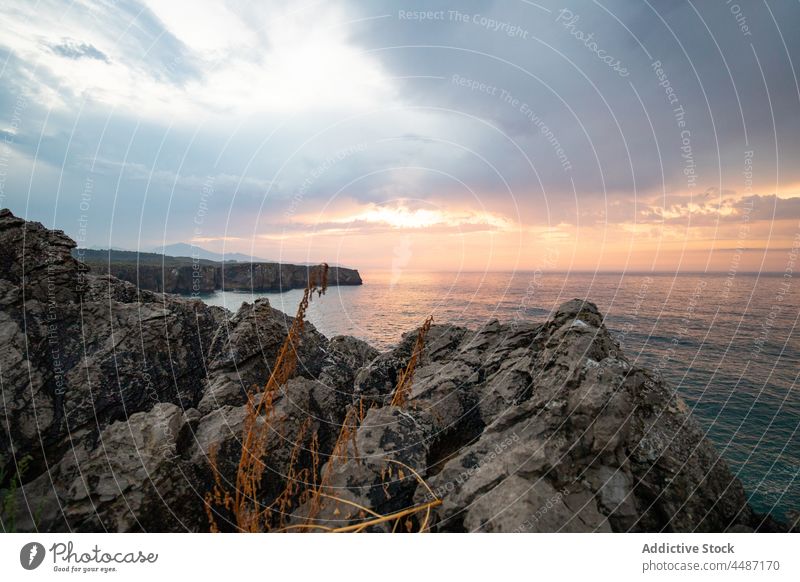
[247,509]
[401,516]
[307,485]
[296,480]
[338,456]
[406,378]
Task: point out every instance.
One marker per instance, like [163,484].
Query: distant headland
[193,275]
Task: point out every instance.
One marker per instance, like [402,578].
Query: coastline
[531,412]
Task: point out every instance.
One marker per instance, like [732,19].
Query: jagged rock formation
[164,274]
[119,397]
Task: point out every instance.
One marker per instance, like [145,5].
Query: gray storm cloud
[517,108]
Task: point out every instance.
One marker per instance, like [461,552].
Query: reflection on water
[730,345]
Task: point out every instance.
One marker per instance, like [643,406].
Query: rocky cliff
[115,400]
[154,272]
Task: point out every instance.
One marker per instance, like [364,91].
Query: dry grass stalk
[296,480]
[338,456]
[399,517]
[219,495]
[249,514]
[361,526]
[406,378]
[302,485]
[396,516]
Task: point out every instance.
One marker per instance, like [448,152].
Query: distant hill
[101,256]
[179,250]
[175,255]
[162,273]
[189,250]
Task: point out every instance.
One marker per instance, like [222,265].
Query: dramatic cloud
[488,131]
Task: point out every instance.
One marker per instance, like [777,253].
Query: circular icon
[31,555]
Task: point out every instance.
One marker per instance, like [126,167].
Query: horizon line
[583,271]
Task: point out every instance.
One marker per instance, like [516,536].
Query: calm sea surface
[730,345]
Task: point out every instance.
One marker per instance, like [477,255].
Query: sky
[470,135]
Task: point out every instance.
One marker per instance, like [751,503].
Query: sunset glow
[338,140]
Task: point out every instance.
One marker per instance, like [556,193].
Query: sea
[728,342]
